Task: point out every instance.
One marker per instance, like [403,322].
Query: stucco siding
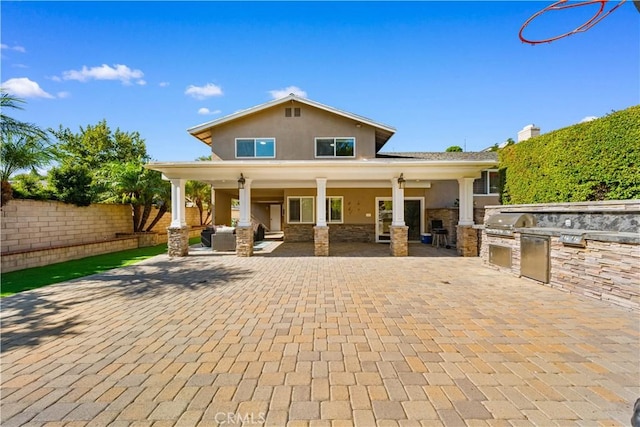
[295,136]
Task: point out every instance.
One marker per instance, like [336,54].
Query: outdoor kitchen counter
[602,236]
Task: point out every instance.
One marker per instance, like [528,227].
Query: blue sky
[442,73]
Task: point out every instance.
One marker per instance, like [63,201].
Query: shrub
[596,160]
[72,184]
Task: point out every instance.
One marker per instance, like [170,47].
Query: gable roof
[383,132]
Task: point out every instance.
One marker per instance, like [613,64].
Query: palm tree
[199,193]
[11,125]
[131,183]
[22,152]
[23,144]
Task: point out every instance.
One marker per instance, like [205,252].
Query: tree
[162,201]
[11,125]
[32,186]
[72,183]
[131,183]
[96,146]
[454,149]
[24,145]
[199,193]
[21,152]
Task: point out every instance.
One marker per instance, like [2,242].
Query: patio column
[212,206]
[465,191]
[467,236]
[321,230]
[244,229]
[399,231]
[178,231]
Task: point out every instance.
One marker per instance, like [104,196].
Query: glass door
[413,218]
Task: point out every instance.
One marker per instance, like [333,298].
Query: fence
[36,233]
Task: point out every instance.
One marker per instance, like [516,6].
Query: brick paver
[285,338]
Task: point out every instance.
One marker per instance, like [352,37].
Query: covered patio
[395,180]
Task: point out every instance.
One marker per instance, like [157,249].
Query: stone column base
[467,244]
[399,240]
[244,241]
[321,241]
[178,241]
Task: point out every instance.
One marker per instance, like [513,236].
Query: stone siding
[298,232]
[467,238]
[178,244]
[606,269]
[321,241]
[244,241]
[399,240]
[352,233]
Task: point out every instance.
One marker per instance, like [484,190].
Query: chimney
[527,132]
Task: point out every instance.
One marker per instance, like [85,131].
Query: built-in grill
[504,224]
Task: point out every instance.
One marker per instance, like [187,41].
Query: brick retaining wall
[51,231]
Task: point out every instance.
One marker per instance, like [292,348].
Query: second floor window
[335,147]
[255,147]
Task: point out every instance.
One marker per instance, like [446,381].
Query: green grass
[37,277]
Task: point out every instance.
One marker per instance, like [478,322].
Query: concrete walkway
[290,339]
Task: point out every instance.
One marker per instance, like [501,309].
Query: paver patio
[289,339]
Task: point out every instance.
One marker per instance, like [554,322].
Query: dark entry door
[412,218]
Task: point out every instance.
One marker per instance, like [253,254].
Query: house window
[334,209]
[335,147]
[255,147]
[300,210]
[488,183]
[288,112]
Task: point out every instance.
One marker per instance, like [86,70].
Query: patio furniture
[205,236]
[224,240]
[439,234]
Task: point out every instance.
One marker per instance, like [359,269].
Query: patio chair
[224,240]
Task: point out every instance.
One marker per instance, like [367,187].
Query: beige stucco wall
[294,135]
[359,203]
[223,208]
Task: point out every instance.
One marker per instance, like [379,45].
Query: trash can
[425,238]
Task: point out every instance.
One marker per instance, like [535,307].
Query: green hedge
[596,160]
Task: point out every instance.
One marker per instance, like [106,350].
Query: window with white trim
[335,147]
[249,148]
[300,210]
[334,209]
[488,183]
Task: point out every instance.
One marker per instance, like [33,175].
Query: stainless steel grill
[504,224]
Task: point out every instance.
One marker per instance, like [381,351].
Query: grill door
[534,261]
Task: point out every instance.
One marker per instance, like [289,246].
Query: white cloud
[25,88]
[202,92]
[16,48]
[105,72]
[281,93]
[588,119]
[63,94]
[163,84]
[141,82]
[206,112]
[19,66]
